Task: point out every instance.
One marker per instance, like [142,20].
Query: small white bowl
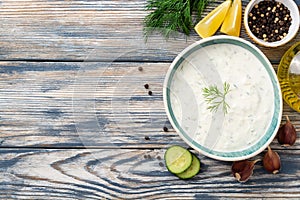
[293,30]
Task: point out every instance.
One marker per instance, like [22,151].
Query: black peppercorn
[150,93]
[269,20]
[165,129]
[146,86]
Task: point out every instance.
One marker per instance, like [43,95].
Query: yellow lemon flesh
[210,24]
[232,21]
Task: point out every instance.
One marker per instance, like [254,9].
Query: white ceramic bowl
[254,99]
[293,30]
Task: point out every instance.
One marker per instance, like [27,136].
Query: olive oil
[289,78]
[294,80]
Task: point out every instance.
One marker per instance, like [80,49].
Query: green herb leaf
[215,98]
[170,16]
[199,6]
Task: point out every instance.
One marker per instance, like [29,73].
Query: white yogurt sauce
[251,97]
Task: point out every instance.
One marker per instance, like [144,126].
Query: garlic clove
[271,161]
[242,170]
[287,135]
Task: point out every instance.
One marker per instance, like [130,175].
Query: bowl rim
[277,108]
[290,35]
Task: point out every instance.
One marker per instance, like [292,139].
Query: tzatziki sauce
[250,98]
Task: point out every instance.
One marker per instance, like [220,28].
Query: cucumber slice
[178,159]
[192,170]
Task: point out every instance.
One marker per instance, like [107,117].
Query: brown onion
[271,161]
[242,170]
[287,135]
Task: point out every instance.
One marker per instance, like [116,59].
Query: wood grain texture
[89,30]
[87,104]
[133,174]
[53,107]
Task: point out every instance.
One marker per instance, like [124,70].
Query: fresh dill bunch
[170,16]
[216,98]
[198,6]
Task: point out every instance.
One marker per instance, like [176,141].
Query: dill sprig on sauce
[170,16]
[216,98]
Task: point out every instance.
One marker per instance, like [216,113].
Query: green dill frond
[199,6]
[171,16]
[216,98]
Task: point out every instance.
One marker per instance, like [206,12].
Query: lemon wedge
[211,23]
[232,21]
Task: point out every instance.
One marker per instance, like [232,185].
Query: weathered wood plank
[87,104]
[102,105]
[89,30]
[133,174]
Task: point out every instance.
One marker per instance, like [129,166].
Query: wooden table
[77,123]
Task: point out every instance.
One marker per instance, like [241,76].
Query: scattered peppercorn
[269,20]
[165,129]
[146,86]
[158,158]
[140,69]
[150,93]
[147,138]
[161,164]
